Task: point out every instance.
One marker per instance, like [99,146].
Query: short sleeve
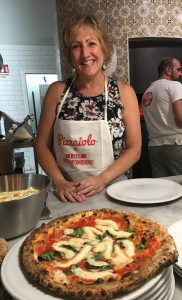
[175,90]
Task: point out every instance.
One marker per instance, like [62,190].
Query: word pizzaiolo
[89,141]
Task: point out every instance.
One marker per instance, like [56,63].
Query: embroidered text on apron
[82,148]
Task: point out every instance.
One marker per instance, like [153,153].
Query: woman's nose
[85,50]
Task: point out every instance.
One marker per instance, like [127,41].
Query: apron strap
[64,97]
[106,98]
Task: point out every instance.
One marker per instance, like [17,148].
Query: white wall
[22,59]
[13,92]
[27,22]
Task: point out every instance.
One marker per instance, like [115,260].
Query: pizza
[97,254]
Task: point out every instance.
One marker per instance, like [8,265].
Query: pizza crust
[165,256]
[3,249]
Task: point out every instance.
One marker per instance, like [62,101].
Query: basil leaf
[101,268]
[143,244]
[73,267]
[105,268]
[99,237]
[106,233]
[70,247]
[78,232]
[118,240]
[96,255]
[130,230]
[50,255]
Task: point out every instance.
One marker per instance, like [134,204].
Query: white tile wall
[13,94]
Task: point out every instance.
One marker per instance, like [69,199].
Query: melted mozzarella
[93,275]
[67,252]
[109,223]
[129,247]
[115,233]
[76,243]
[96,263]
[59,276]
[108,247]
[76,259]
[119,258]
[99,247]
[90,232]
[68,231]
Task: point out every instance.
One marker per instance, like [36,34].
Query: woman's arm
[65,190]
[93,185]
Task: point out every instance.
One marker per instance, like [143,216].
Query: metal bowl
[20,216]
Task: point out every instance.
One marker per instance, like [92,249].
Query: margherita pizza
[97,254]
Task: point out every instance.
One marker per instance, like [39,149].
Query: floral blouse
[80,107]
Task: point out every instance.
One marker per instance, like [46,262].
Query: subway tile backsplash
[13,94]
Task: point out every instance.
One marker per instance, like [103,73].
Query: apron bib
[82,148]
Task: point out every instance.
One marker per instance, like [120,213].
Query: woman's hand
[66,192]
[90,186]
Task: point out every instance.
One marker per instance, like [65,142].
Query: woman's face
[87,56]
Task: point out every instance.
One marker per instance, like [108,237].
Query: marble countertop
[165,213]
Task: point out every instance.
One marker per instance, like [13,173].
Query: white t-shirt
[158,114]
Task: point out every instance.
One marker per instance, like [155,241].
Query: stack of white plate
[175,231]
[159,288]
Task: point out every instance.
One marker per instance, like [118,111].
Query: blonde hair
[93,22]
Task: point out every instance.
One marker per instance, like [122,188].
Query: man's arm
[177,110]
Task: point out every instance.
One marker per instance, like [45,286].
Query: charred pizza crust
[3,249]
[165,255]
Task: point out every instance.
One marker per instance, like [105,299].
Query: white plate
[168,293]
[145,190]
[160,288]
[175,231]
[172,290]
[178,272]
[18,287]
[14,280]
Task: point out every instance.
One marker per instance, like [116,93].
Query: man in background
[162,108]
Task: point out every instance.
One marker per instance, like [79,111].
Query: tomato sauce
[121,222]
[130,268]
[90,221]
[85,221]
[152,246]
[87,281]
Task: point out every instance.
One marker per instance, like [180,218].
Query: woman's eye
[92,44]
[76,46]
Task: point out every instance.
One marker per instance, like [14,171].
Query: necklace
[89,91]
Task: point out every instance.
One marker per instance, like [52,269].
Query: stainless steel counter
[165,213]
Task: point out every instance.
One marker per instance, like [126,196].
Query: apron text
[62,140]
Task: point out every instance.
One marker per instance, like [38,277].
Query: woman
[89,130]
